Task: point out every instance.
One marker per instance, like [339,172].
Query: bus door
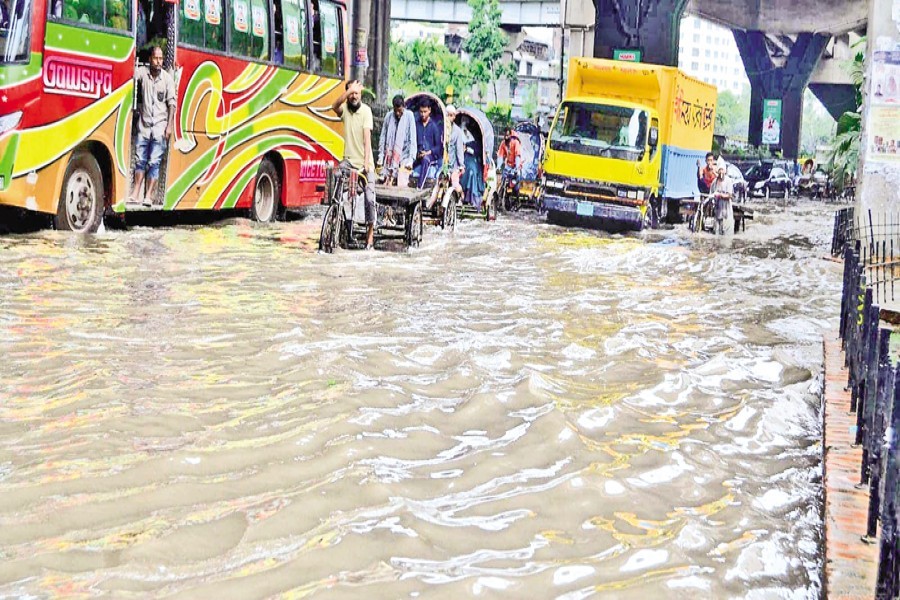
[155,26]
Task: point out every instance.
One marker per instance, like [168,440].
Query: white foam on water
[773,499]
[693,582]
[613,488]
[645,559]
[566,575]
[596,418]
[577,352]
[490,583]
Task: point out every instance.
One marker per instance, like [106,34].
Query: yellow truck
[624,144]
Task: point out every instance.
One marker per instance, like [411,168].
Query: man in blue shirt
[430,140]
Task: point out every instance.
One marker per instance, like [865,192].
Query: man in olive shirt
[155,124]
[358,125]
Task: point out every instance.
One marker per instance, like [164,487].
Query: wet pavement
[513,410]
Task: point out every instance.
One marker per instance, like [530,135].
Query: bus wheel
[267,195]
[82,196]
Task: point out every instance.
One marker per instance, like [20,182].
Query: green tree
[427,65]
[530,101]
[733,114]
[485,45]
[844,160]
[817,127]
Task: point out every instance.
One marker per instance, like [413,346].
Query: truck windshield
[600,130]
[15,30]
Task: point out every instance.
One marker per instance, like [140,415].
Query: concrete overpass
[780,42]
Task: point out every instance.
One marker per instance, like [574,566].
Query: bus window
[250,28]
[329,40]
[201,24]
[294,39]
[15,30]
[115,14]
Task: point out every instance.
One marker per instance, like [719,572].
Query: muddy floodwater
[516,410]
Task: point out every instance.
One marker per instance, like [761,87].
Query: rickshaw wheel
[414,226]
[448,218]
[328,238]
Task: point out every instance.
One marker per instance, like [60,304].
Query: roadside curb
[851,564]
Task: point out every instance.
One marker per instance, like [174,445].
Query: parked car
[767,180]
[740,184]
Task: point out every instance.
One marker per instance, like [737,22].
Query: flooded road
[516,410]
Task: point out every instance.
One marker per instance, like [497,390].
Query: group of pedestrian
[713,180]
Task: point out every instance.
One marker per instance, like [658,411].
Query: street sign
[771,127]
[627,54]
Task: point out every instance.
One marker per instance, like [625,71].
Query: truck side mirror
[653,140]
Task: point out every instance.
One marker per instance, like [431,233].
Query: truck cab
[623,148]
[602,161]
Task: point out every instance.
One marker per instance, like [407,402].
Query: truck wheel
[82,196]
[554,216]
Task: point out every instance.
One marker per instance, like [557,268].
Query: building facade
[708,52]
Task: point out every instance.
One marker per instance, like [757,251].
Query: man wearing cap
[721,189]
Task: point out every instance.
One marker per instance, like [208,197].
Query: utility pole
[361,21]
[562,45]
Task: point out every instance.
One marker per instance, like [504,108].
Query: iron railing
[876,238]
[874,383]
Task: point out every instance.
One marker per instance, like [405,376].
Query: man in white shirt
[722,189]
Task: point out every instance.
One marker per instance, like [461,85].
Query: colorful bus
[255,80]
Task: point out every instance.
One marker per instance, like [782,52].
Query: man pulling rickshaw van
[722,189]
[397,144]
[358,125]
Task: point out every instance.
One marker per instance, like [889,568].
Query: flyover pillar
[879,176]
[648,25]
[781,77]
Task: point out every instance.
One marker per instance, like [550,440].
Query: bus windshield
[600,130]
[15,30]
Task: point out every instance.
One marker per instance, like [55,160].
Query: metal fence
[874,383]
[876,239]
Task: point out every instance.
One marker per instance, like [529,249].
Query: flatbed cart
[399,212]
[439,207]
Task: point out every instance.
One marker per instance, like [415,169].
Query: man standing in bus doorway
[156,121]
[358,125]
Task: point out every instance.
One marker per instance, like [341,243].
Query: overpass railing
[874,383]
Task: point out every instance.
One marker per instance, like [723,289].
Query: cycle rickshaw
[433,180]
[522,189]
[399,211]
[479,180]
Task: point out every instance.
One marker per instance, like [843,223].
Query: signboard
[883,121]
[771,126]
[627,54]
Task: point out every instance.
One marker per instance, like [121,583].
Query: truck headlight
[632,194]
[622,193]
[640,195]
